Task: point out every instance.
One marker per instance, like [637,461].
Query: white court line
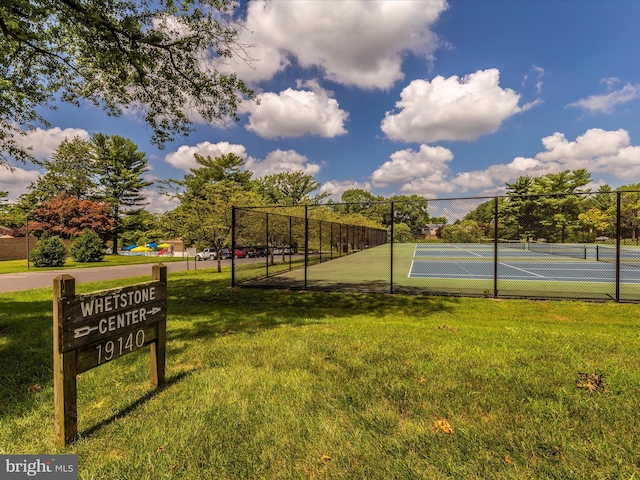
[521,269]
[468,251]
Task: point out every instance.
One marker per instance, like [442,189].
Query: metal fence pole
[306,244]
[618,233]
[233,246]
[320,233]
[266,243]
[290,242]
[391,250]
[495,248]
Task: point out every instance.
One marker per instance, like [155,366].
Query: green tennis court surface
[464,269]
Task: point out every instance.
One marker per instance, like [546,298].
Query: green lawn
[20,266]
[280,384]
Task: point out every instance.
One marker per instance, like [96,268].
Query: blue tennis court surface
[476,261]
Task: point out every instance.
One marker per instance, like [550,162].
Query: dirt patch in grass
[590,381]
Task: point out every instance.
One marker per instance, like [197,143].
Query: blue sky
[441,99]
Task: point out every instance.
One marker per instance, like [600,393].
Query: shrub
[88,247]
[50,252]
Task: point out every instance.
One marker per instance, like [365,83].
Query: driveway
[13,282]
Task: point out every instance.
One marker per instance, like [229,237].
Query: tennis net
[502,243]
[627,256]
[571,250]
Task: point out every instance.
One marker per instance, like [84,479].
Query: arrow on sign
[81,332]
[154,310]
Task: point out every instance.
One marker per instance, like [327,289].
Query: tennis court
[465,269]
[476,261]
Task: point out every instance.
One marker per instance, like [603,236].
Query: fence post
[391,250]
[266,243]
[306,244]
[65,392]
[290,242]
[495,248]
[157,352]
[233,246]
[618,233]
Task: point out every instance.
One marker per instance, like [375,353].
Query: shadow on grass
[217,309]
[26,346]
[131,408]
[203,307]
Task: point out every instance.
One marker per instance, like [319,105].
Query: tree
[289,188]
[401,233]
[558,214]
[206,196]
[363,202]
[466,231]
[595,219]
[88,247]
[629,210]
[411,210]
[68,172]
[140,227]
[68,217]
[119,166]
[49,252]
[157,57]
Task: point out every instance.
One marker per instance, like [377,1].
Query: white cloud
[16,181]
[359,42]
[427,167]
[184,159]
[500,174]
[592,144]
[44,141]
[280,161]
[157,202]
[294,113]
[451,108]
[597,150]
[606,102]
[336,188]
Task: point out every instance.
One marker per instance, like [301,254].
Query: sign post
[93,329]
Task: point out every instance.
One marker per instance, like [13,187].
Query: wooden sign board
[93,329]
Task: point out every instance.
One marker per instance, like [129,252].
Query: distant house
[431,229]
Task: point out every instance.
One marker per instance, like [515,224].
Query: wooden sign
[93,329]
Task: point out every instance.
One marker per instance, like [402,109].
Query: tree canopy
[158,58]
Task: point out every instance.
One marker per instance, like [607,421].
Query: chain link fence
[578,246]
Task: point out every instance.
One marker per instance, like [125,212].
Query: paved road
[13,282]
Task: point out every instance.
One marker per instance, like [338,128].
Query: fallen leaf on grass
[590,381]
[507,459]
[174,467]
[326,458]
[160,449]
[446,327]
[444,425]
[34,388]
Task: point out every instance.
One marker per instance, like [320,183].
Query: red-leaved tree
[68,217]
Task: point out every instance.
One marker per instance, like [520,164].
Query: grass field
[20,266]
[280,384]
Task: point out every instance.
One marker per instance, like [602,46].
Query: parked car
[254,252]
[225,253]
[206,254]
